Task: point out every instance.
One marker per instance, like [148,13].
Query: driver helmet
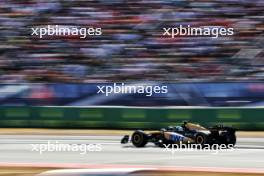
[179,128]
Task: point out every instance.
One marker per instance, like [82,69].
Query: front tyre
[139,138]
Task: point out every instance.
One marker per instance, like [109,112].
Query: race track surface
[248,153]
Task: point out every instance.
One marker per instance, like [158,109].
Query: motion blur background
[52,82]
[202,71]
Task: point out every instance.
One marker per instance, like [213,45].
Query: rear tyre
[139,138]
[200,139]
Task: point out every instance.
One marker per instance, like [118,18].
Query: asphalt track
[15,149]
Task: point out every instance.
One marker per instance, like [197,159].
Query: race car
[187,133]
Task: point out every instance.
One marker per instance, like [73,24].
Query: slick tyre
[139,139]
[200,139]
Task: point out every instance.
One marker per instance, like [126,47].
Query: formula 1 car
[187,133]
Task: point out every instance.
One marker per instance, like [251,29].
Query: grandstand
[132,47]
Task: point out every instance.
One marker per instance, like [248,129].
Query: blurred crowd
[132,46]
